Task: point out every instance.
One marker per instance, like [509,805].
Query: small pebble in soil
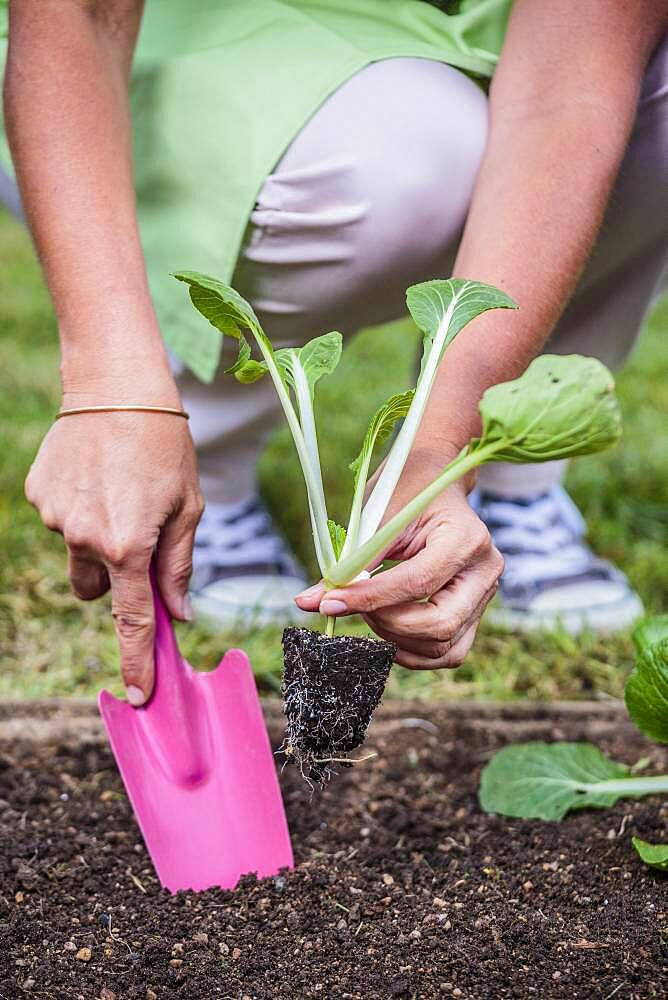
[400,987]
[84,955]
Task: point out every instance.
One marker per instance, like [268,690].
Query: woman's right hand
[118,486]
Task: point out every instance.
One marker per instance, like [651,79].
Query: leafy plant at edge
[547,780]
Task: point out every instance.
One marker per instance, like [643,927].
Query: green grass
[50,644]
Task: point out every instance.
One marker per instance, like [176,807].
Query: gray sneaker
[551,577]
[243,573]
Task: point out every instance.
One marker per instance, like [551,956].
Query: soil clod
[331,687]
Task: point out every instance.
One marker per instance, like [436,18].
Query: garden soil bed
[403,888]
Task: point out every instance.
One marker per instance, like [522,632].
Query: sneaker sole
[605,619]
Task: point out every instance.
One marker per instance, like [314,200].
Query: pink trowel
[198,767]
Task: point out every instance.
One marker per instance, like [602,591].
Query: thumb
[133,614]
[174,561]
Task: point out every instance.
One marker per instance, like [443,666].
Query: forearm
[69,130]
[530,232]
[559,126]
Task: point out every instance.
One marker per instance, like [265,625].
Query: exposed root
[331,686]
[348,761]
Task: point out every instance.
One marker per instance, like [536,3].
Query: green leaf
[455,300]
[646,691]
[650,632]
[316,358]
[320,356]
[547,780]
[338,535]
[380,428]
[440,310]
[245,369]
[559,407]
[229,312]
[654,855]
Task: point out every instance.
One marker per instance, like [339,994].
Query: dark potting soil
[402,887]
[331,687]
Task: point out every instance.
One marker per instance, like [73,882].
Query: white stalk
[376,505]
[319,554]
[651,785]
[316,498]
[353,529]
[317,502]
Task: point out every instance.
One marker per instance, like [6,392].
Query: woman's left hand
[448,570]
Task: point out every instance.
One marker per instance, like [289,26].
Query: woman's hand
[430,604]
[116,485]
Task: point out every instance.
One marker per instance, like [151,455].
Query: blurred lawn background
[51,644]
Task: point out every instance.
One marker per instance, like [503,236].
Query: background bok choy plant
[548,780]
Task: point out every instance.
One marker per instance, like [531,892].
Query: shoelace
[540,539]
[239,536]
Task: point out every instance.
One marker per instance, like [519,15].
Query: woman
[329,154]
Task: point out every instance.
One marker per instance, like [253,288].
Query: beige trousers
[370,197]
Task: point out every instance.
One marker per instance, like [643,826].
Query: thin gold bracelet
[131,407]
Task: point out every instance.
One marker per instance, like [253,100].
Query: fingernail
[135,695]
[186,609]
[312,591]
[333,608]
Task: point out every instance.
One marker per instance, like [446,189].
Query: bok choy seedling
[560,406]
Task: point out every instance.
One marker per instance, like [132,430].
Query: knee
[368,208]
[437,175]
[420,176]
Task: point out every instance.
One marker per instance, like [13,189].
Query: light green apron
[221,87]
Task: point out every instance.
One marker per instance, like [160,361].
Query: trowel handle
[158,603]
[170,667]
[173,708]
